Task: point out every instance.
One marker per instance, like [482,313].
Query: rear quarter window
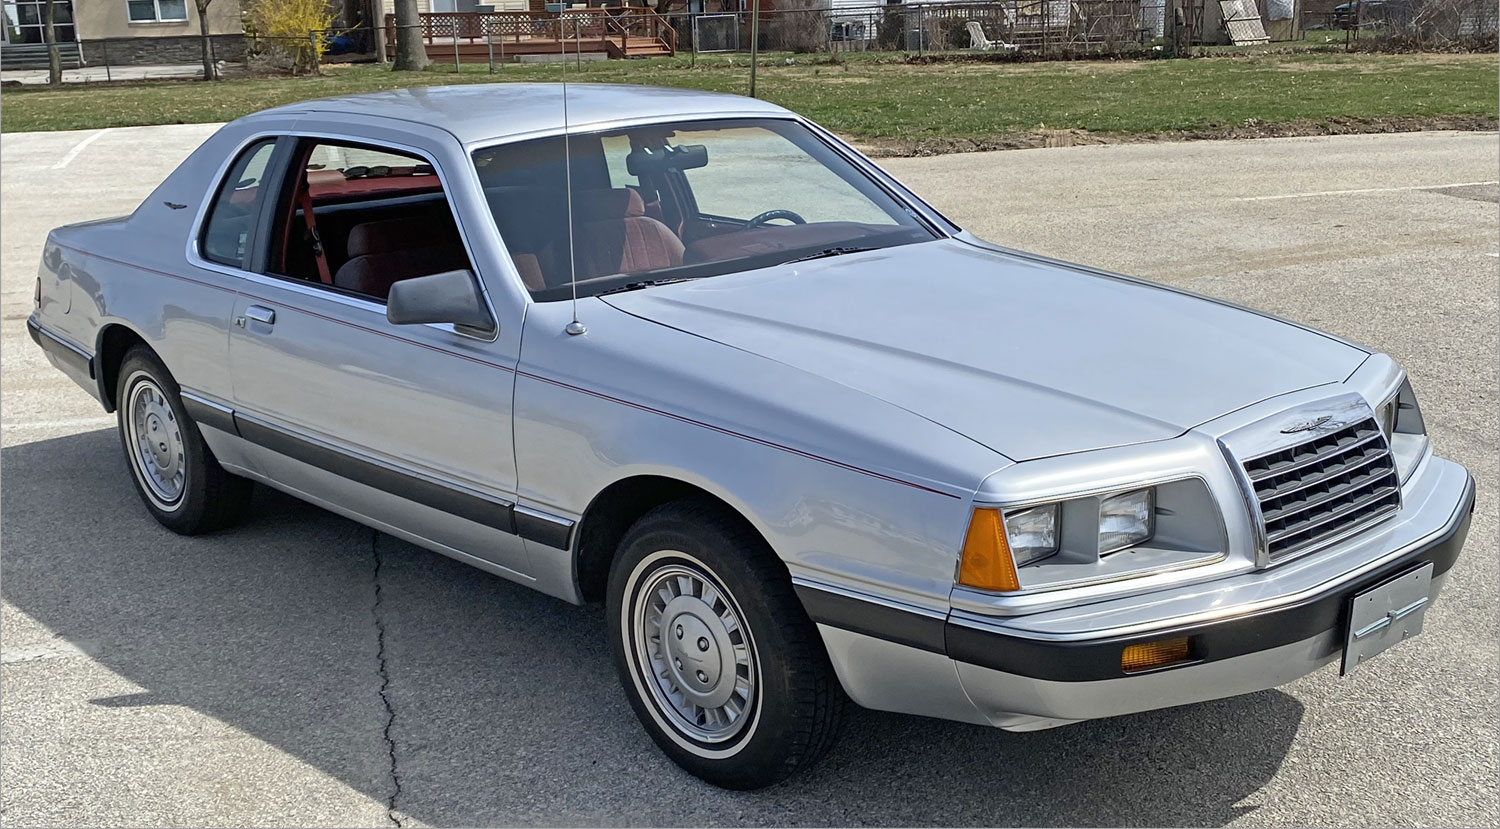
[231,219]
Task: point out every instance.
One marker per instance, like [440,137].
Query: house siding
[100,19]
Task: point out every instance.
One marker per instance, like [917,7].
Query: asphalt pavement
[303,670]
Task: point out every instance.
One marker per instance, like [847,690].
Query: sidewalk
[96,74]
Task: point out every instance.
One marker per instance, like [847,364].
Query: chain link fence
[104,60]
[1404,25]
[1035,27]
[1069,28]
[1025,29]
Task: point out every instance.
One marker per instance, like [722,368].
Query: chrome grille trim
[1325,486]
[1344,445]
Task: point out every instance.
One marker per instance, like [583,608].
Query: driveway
[304,670]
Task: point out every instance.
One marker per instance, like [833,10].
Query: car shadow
[502,706]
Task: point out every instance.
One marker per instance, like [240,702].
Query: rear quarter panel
[133,272]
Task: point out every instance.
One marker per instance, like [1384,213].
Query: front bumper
[1250,632]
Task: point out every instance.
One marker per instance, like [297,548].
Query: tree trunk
[209,73]
[411,54]
[49,34]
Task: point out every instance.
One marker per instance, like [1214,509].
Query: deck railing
[588,30]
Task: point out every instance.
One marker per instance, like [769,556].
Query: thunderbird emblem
[1306,425]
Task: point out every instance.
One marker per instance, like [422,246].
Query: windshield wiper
[827,252]
[646,283]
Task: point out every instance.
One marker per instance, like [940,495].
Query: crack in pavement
[385,684]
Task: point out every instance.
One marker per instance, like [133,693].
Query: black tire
[791,717]
[206,497]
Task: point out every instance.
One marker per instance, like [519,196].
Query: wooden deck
[508,50]
[472,37]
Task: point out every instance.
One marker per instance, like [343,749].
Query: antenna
[575,327]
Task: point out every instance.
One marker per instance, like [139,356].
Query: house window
[157,11]
[23,21]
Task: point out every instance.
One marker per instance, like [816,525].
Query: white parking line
[54,650]
[67,423]
[1365,190]
[78,148]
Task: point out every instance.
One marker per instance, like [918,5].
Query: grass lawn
[879,98]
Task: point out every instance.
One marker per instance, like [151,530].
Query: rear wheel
[176,475]
[717,656]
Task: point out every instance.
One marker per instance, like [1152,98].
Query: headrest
[324,177]
[391,235]
[599,205]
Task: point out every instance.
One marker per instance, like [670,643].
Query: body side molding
[55,345]
[530,524]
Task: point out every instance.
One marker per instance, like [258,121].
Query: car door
[406,427]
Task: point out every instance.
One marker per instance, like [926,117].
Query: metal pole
[457,64]
[108,75]
[694,60]
[312,54]
[577,45]
[754,41]
[489,42]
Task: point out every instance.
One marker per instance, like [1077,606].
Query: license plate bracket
[1386,614]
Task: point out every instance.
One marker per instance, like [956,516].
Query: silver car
[692,357]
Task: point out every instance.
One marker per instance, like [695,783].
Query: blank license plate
[1386,614]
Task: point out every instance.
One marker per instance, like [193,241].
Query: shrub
[799,26]
[291,32]
[892,33]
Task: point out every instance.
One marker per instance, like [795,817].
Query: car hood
[1028,358]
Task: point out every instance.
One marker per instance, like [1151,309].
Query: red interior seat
[385,252]
[614,235]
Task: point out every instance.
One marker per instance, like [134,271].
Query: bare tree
[209,74]
[49,34]
[411,53]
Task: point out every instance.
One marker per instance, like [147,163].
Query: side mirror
[452,297]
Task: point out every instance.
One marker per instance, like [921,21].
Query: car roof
[497,111]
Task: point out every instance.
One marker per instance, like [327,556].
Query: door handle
[257,313]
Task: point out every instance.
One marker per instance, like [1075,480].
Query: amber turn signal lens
[1146,655]
[986,562]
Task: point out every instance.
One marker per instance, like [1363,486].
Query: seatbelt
[304,199]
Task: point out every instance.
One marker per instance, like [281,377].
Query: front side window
[226,233]
[157,11]
[684,200]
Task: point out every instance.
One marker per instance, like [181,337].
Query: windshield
[684,200]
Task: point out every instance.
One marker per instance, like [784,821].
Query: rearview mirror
[452,297]
[647,161]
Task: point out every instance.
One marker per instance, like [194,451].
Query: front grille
[1315,490]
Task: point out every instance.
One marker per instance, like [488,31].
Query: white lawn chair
[978,40]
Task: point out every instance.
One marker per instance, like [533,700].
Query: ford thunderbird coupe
[693,358]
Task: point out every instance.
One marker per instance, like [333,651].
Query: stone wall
[147,51]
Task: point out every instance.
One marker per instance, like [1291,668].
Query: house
[119,32]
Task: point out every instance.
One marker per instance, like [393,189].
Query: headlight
[1126,520]
[1119,534]
[1406,415]
[1401,420]
[1386,417]
[1032,533]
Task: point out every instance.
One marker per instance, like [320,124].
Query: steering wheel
[772,215]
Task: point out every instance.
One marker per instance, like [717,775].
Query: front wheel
[717,656]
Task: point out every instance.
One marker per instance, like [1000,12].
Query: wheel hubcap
[694,653]
[156,440]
